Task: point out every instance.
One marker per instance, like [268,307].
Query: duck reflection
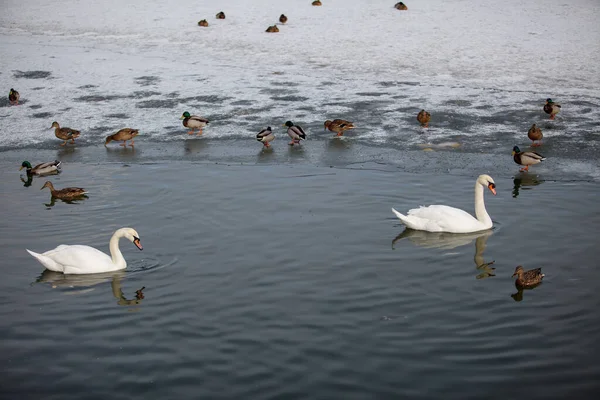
[265,154]
[27,182]
[85,282]
[192,146]
[524,180]
[68,201]
[519,295]
[447,241]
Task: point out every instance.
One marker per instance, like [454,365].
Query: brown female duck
[283,19]
[272,28]
[400,6]
[535,134]
[316,3]
[220,15]
[424,117]
[65,134]
[66,193]
[123,135]
[203,23]
[526,279]
[338,126]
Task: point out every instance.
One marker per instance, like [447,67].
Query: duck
[220,15]
[440,218]
[65,134]
[80,259]
[295,132]
[265,136]
[526,158]
[534,133]
[193,122]
[400,6]
[272,28]
[203,22]
[551,108]
[526,279]
[423,117]
[338,126]
[283,19]
[66,193]
[13,97]
[41,169]
[316,3]
[124,135]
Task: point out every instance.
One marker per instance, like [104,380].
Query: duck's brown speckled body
[535,134]
[123,135]
[66,193]
[424,117]
[65,134]
[527,279]
[338,126]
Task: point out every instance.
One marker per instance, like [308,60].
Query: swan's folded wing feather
[446,219]
[75,255]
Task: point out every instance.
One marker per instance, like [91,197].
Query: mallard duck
[400,6]
[295,132]
[193,122]
[203,22]
[13,96]
[65,133]
[551,108]
[220,15]
[272,28]
[528,278]
[316,3]
[265,136]
[283,18]
[41,169]
[534,133]
[66,193]
[423,117]
[338,126]
[526,158]
[124,135]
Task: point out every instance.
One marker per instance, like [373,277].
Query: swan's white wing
[440,218]
[74,257]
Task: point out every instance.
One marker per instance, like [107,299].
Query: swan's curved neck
[115,252]
[480,211]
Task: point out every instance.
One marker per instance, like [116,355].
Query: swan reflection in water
[447,241]
[60,280]
[524,180]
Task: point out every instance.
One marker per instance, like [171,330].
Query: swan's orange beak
[137,243]
[492,188]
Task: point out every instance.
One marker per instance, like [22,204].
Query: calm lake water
[287,281]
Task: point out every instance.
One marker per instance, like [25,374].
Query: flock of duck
[79,259]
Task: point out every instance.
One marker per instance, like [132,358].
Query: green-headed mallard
[528,278]
[193,122]
[283,19]
[295,132]
[265,136]
[338,126]
[526,158]
[46,168]
[203,22]
[423,117]
[123,135]
[551,108]
[13,96]
[66,193]
[400,6]
[316,3]
[534,133]
[272,28]
[65,134]
[220,15]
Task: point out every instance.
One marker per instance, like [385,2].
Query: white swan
[438,218]
[79,259]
